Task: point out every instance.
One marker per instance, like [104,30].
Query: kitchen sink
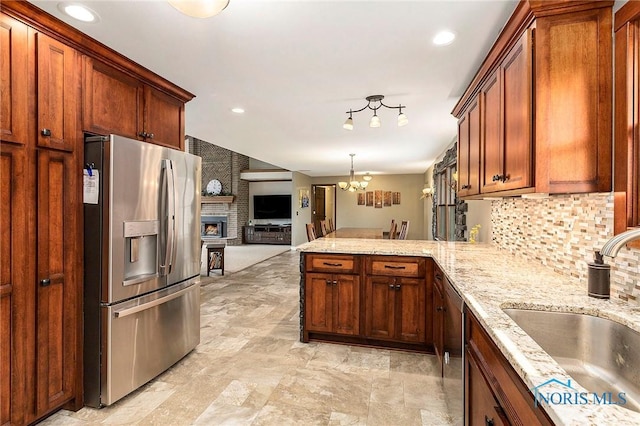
[599,354]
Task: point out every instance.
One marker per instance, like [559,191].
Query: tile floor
[251,369]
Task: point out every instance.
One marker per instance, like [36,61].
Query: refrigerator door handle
[134,310]
[173,242]
[166,219]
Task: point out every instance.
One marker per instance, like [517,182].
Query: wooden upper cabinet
[545,98]
[469,151]
[516,75]
[115,102]
[506,136]
[112,101]
[14,79]
[58,94]
[491,135]
[574,75]
[627,122]
[163,118]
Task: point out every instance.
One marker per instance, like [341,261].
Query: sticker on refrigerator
[90,185]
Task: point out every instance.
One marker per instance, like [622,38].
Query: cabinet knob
[45,282]
[335,282]
[328,282]
[488,421]
[397,286]
[150,135]
[46,132]
[440,308]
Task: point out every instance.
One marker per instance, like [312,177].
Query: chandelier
[374,104]
[199,8]
[353,184]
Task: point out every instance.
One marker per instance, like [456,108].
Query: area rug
[237,258]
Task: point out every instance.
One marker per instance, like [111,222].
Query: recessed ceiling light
[79,12]
[443,38]
[237,110]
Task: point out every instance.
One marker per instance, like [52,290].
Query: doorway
[323,205]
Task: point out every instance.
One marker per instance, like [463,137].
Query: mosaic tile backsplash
[562,232]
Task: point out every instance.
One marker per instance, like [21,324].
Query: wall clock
[214,187]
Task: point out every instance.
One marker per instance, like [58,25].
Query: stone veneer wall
[562,232]
[225,165]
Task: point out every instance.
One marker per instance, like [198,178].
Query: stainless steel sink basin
[600,354]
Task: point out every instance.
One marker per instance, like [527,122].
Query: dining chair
[311,231]
[330,222]
[324,227]
[390,235]
[404,229]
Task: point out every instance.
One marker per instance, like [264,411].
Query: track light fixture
[374,103]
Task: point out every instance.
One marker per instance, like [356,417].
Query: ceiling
[296,67]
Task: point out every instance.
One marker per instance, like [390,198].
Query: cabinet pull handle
[331,264]
[335,282]
[395,267]
[397,286]
[488,421]
[45,282]
[328,282]
[391,286]
[46,132]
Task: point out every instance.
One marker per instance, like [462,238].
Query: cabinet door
[15,277]
[469,151]
[56,304]
[438,322]
[58,94]
[491,141]
[163,119]
[112,101]
[410,310]
[482,407]
[346,304]
[380,307]
[517,143]
[14,77]
[573,102]
[318,302]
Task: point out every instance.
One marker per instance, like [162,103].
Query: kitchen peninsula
[489,280]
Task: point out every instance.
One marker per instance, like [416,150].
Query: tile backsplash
[562,232]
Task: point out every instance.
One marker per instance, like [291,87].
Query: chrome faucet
[599,284]
[613,246]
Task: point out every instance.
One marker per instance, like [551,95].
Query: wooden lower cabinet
[395,309]
[57,295]
[438,316]
[332,303]
[367,300]
[494,393]
[482,408]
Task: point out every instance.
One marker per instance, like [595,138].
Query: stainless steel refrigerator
[142,263]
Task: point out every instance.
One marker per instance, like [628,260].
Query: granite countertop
[489,280]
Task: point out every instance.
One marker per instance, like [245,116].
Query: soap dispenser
[599,284]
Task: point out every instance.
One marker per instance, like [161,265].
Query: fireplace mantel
[219,199]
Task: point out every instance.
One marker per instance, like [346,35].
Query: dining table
[370,233]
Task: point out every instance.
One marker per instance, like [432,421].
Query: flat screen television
[272,206]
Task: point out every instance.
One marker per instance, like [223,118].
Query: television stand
[266,234]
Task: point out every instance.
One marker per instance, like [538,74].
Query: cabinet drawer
[396,266]
[345,264]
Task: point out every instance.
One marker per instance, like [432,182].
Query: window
[448,212]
